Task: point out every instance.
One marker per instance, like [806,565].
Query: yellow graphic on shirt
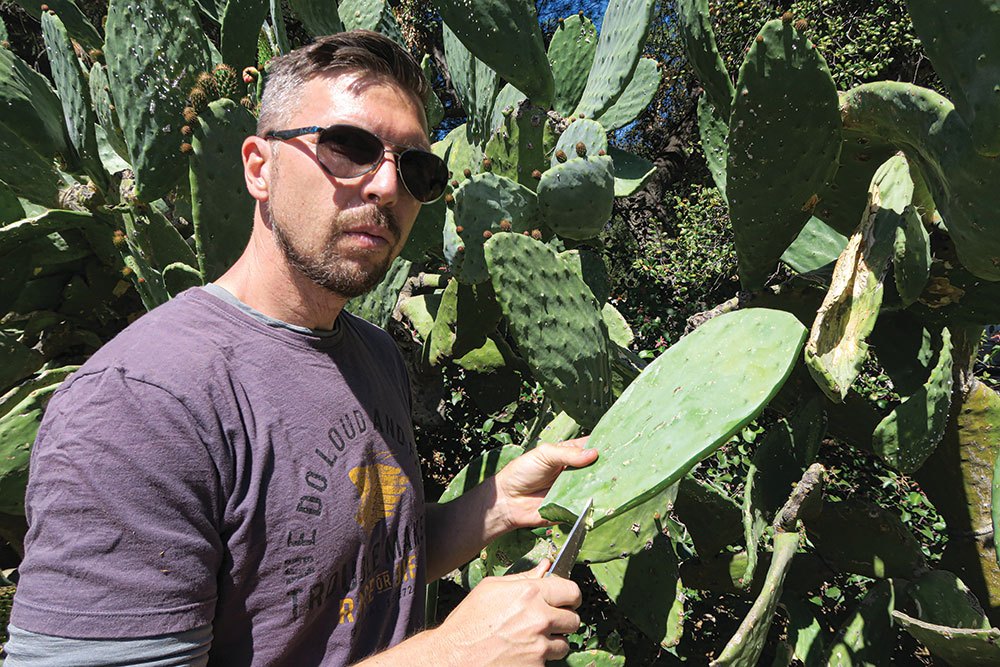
[381,486]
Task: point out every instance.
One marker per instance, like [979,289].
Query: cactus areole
[681,408]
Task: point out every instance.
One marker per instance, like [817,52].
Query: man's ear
[257,158]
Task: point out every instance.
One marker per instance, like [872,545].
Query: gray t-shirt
[205,467]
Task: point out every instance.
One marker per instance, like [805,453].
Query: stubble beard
[345,276]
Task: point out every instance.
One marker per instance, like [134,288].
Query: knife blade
[564,561]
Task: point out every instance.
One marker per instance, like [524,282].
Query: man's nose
[382,185]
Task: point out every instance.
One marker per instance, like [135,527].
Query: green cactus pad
[493,356]
[911,432]
[784,142]
[618,329]
[631,171]
[16,360]
[680,409]
[646,587]
[712,518]
[861,538]
[222,208]
[907,349]
[770,479]
[317,16]
[589,265]
[623,36]
[940,597]
[475,84]
[75,97]
[178,277]
[160,241]
[713,128]
[55,220]
[507,101]
[927,128]
[626,534]
[842,204]
[591,658]
[636,97]
[703,54]
[575,198]
[441,338]
[836,348]
[505,35]
[958,646]
[571,53]
[77,24]
[378,304]
[556,323]
[104,109]
[805,632]
[420,311]
[155,50]
[478,470]
[867,636]
[816,246]
[240,27]
[745,647]
[31,107]
[462,154]
[561,428]
[433,109]
[960,38]
[426,232]
[953,295]
[911,257]
[22,410]
[516,146]
[588,132]
[481,204]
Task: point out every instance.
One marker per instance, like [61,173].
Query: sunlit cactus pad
[685,405]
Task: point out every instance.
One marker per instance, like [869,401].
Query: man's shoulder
[188,334]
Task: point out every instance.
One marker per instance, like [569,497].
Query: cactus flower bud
[449,199]
[461,248]
[187,130]
[454,184]
[581,149]
[44,8]
[190,115]
[505,225]
[536,174]
[487,164]
[787,18]
[126,272]
[250,74]
[561,156]
[536,234]
[467,173]
[187,149]
[487,234]
[801,24]
[459,229]
[118,239]
[247,102]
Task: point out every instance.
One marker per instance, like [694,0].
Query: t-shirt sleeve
[124,506]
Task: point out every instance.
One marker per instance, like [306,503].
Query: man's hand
[523,483]
[520,619]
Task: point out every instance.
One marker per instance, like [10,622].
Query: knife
[563,563]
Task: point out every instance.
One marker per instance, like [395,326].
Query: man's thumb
[536,572]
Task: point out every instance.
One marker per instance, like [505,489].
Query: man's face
[342,233]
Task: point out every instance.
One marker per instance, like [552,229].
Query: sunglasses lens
[348,151]
[424,174]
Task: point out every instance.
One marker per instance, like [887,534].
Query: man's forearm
[457,531]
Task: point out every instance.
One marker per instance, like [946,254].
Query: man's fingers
[565,622]
[559,592]
[557,648]
[570,453]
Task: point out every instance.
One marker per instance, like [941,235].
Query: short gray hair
[362,51]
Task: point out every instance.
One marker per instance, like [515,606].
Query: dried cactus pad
[681,408]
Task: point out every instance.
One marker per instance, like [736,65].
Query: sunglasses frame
[284,135]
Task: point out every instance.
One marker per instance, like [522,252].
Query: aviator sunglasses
[346,151]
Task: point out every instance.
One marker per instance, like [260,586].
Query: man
[233,478]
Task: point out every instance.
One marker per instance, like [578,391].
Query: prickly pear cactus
[673,415]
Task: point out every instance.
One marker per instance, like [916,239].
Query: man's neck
[261,279]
